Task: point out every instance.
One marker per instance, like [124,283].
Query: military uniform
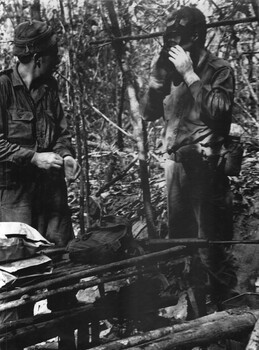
[197,123]
[28,125]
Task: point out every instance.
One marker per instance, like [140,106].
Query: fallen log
[229,324]
[32,330]
[253,343]
[233,321]
[74,277]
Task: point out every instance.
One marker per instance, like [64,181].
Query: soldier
[193,91]
[35,146]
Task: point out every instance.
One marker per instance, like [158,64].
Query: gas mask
[179,31]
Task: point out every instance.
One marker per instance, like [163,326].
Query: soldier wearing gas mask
[193,91]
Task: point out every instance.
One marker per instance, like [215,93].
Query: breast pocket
[21,127]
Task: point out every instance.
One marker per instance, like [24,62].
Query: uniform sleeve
[62,144]
[10,152]
[159,86]
[215,99]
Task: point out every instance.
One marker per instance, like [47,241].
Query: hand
[47,160]
[181,60]
[72,168]
[183,64]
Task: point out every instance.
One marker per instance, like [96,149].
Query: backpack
[104,244]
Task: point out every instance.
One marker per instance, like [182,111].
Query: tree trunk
[138,124]
[35,10]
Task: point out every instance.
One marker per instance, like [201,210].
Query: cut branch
[76,287]
[86,272]
[108,120]
[161,33]
[117,178]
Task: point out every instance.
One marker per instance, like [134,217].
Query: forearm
[14,153]
[63,145]
[159,86]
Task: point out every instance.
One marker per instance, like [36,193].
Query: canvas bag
[104,244]
[233,155]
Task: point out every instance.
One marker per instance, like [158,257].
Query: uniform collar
[16,79]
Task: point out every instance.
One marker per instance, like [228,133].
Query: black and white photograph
[129,174]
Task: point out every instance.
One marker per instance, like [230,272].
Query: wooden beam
[157,34]
[33,330]
[93,271]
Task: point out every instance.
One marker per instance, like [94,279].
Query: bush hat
[32,37]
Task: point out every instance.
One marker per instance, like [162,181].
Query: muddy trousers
[41,204]
[200,206]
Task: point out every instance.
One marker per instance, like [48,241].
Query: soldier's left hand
[72,168]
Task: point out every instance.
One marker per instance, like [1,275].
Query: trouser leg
[16,204]
[212,203]
[54,223]
[181,220]
[52,211]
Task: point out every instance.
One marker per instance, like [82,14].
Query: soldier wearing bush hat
[33,37]
[35,149]
[36,154]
